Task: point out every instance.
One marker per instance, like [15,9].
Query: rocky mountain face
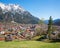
[14,12]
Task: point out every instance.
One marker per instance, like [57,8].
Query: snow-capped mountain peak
[11,7]
[15,13]
[2,5]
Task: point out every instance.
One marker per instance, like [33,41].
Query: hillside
[14,12]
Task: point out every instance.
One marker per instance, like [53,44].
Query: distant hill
[46,21]
[55,22]
[14,12]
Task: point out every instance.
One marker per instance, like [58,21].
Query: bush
[8,38]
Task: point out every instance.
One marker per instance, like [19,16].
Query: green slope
[28,44]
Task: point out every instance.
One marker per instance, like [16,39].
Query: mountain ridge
[14,12]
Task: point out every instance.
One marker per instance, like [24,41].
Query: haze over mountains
[14,12]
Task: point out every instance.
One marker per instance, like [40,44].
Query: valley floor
[28,44]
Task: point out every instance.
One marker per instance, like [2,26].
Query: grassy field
[28,44]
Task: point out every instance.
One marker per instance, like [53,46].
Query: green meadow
[28,44]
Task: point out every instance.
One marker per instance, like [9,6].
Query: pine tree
[50,27]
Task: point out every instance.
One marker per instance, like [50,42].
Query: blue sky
[39,8]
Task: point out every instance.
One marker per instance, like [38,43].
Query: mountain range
[55,22]
[14,12]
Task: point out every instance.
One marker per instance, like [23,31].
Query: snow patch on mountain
[11,7]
